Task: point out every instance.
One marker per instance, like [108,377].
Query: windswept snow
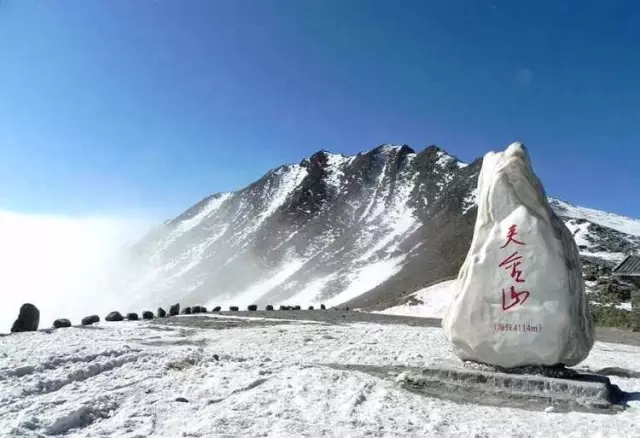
[312,291]
[366,278]
[398,221]
[260,289]
[290,178]
[431,302]
[127,380]
[207,210]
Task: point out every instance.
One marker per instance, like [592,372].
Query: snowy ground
[434,301]
[124,379]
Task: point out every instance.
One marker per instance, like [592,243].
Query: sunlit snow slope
[365,230]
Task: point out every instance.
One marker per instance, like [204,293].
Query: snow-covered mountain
[364,230]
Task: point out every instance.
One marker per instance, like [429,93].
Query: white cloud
[61,264]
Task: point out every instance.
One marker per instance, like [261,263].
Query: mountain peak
[370,227]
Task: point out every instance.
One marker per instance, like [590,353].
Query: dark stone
[234,308]
[28,319]
[323,307]
[88,320]
[147,314]
[310,307]
[269,307]
[203,309]
[283,307]
[61,323]
[114,316]
[174,310]
[217,309]
[195,309]
[216,357]
[252,308]
[297,307]
[186,311]
[132,316]
[161,312]
[182,400]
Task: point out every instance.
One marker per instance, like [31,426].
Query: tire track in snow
[57,362]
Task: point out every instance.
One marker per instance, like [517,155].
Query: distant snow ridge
[620,223]
[332,229]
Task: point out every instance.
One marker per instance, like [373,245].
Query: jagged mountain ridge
[366,229]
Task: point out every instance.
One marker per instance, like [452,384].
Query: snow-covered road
[126,380]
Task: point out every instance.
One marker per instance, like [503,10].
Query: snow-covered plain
[126,380]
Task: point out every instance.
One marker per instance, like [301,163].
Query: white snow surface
[434,300]
[336,164]
[617,222]
[123,380]
[207,210]
[366,278]
[257,290]
[580,232]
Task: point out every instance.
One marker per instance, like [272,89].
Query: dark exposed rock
[283,307]
[161,312]
[28,319]
[182,400]
[323,307]
[132,316]
[217,309]
[297,307]
[61,323]
[114,316]
[147,314]
[310,307]
[234,308]
[252,308]
[195,309]
[88,320]
[269,307]
[617,290]
[203,309]
[174,310]
[216,357]
[186,311]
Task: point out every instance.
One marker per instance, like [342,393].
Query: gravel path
[604,334]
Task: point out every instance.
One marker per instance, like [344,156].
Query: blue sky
[148,106]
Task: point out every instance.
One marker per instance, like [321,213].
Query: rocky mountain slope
[364,230]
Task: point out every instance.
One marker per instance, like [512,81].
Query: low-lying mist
[65,266]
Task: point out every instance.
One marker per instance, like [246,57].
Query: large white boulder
[521,298]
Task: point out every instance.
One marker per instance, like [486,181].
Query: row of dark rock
[29,317]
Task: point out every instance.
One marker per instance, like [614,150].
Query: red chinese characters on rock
[512,297]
